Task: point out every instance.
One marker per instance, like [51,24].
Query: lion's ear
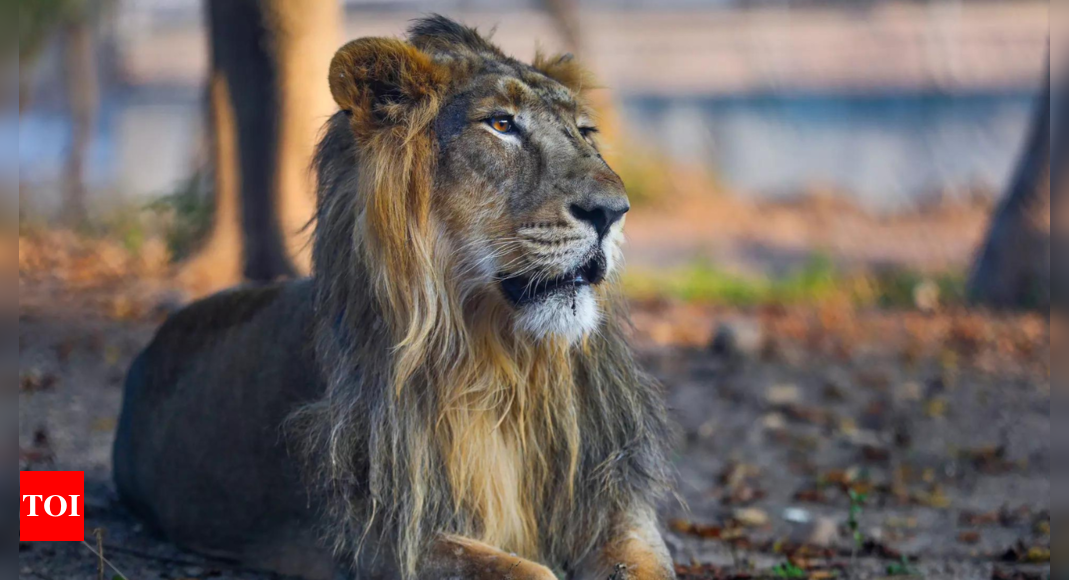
[564,69]
[382,80]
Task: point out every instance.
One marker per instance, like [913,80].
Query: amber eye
[502,123]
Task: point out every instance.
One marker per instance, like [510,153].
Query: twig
[222,564]
[105,560]
[99,533]
[152,557]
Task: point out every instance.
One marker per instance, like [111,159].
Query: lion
[451,393]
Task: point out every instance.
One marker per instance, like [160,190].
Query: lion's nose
[600,215]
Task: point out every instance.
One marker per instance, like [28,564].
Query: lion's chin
[569,314]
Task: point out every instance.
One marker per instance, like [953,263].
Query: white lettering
[62,502]
[74,506]
[33,503]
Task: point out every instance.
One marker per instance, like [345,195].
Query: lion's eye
[502,123]
[586,132]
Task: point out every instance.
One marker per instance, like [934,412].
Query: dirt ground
[938,423]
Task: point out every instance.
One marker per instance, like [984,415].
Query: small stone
[707,429]
[774,422]
[797,515]
[783,395]
[911,391]
[738,338]
[751,517]
[926,296]
[824,533]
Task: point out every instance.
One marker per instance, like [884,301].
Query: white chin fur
[569,315]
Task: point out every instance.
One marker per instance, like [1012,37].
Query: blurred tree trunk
[565,17]
[83,101]
[1013,269]
[268,97]
[1059,244]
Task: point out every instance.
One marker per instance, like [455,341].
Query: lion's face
[532,210]
[522,209]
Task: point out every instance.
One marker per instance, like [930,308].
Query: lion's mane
[437,416]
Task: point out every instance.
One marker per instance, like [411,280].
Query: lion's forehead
[513,84]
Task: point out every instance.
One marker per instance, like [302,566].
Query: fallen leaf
[1038,555]
[810,496]
[975,520]
[989,460]
[112,355]
[874,454]
[37,380]
[936,408]
[694,529]
[1022,554]
[936,498]
[104,425]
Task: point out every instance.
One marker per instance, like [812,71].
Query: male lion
[450,395]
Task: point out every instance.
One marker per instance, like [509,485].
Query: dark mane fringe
[436,33]
[363,441]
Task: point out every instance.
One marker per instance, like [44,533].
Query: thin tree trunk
[1013,269]
[565,16]
[1059,244]
[25,89]
[82,100]
[269,96]
[219,262]
[566,19]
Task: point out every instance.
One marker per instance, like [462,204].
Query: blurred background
[839,258]
[736,123]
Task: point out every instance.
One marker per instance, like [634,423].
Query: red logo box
[53,506]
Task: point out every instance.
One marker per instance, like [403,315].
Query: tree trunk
[566,19]
[1059,244]
[80,59]
[1013,269]
[268,95]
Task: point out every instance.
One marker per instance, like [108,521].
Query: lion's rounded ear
[564,69]
[381,78]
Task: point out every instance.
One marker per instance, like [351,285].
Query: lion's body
[454,382]
[200,451]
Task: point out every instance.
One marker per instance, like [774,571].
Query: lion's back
[200,450]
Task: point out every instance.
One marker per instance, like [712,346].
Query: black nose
[601,216]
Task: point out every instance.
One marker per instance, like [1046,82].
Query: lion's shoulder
[275,312]
[221,311]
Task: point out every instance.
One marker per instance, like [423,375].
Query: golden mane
[437,414]
[504,403]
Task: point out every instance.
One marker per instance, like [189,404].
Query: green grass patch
[898,288]
[818,280]
[705,282]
